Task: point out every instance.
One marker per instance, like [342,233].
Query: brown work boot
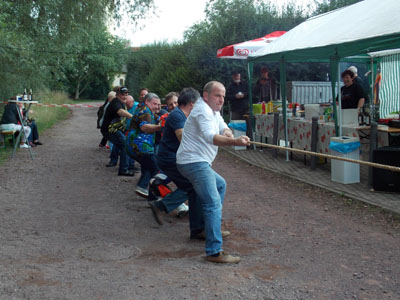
[202,235]
[223,258]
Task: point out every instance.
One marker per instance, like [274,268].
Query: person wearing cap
[265,88]
[356,78]
[114,123]
[140,141]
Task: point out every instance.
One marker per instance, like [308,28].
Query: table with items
[299,132]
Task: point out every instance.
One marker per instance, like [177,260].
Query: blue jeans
[114,154]
[34,136]
[148,168]
[210,188]
[118,140]
[184,191]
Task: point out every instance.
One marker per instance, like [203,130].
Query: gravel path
[70,228]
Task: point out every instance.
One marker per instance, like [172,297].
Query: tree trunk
[77,93]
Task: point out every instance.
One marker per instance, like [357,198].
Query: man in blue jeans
[166,159]
[114,127]
[203,132]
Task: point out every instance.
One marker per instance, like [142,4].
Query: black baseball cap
[122,90]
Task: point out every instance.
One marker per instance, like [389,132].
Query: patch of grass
[46,117]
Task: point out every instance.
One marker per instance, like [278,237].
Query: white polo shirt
[198,134]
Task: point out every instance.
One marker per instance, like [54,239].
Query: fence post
[373,142]
[314,139]
[275,133]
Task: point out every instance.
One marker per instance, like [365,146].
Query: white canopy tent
[361,28]
[355,29]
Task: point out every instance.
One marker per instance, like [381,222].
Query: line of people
[178,146]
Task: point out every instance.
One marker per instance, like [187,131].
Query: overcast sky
[172,19]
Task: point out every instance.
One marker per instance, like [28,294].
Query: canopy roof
[367,26]
[242,50]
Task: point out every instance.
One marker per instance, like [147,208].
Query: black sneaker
[135,169]
[111,164]
[125,173]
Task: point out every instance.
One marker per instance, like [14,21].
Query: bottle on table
[30,96]
[367,117]
[25,96]
[263,108]
[361,117]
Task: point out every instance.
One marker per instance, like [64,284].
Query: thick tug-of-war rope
[361,162]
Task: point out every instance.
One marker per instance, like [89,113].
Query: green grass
[45,117]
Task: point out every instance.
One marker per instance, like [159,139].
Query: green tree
[90,58]
[36,36]
[323,6]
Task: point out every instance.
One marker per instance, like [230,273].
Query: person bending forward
[203,132]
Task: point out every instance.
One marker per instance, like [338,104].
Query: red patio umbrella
[242,50]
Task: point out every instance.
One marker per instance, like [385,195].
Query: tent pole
[283,98]
[251,115]
[333,70]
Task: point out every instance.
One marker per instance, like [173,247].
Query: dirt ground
[70,228]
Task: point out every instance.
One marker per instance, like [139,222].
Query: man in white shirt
[204,131]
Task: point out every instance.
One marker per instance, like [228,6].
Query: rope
[361,162]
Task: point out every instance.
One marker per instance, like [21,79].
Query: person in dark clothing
[359,81]
[265,88]
[114,127]
[166,159]
[10,121]
[238,97]
[100,117]
[352,93]
[33,138]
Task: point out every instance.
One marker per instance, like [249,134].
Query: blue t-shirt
[131,111]
[169,143]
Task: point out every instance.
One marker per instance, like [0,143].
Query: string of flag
[63,105]
[69,105]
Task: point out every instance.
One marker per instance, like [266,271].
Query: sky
[172,18]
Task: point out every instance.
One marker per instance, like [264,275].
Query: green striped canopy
[389,92]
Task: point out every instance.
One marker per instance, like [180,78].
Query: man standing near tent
[352,94]
[359,81]
[238,97]
[265,89]
[203,132]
